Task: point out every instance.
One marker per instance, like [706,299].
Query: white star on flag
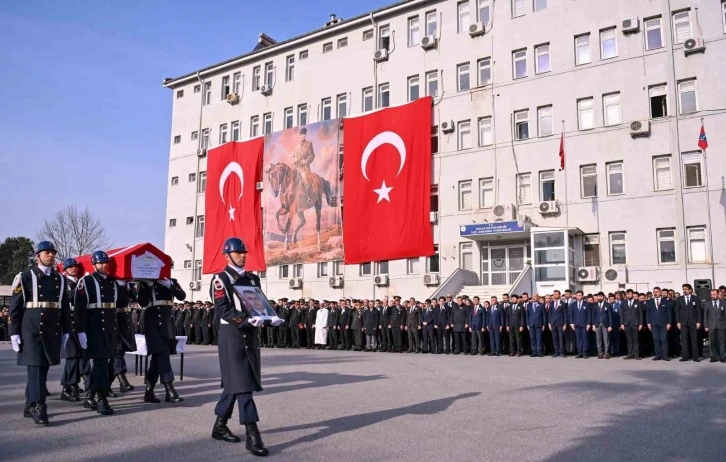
[231,213]
[383,192]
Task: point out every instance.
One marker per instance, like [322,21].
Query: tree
[74,232]
[16,255]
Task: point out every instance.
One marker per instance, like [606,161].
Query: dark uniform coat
[158,302]
[356,320]
[40,321]
[126,338]
[371,320]
[95,314]
[73,346]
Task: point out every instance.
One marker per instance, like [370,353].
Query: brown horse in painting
[287,185]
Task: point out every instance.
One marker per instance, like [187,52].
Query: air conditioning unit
[631,26]
[639,128]
[428,42]
[195,285]
[381,280]
[478,28]
[233,98]
[588,274]
[259,186]
[507,212]
[617,274]
[381,55]
[431,279]
[694,45]
[266,90]
[336,281]
[201,152]
[548,207]
[433,217]
[295,283]
[447,126]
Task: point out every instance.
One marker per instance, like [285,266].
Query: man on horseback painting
[302,156]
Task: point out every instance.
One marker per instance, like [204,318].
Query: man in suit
[494,326]
[602,323]
[428,321]
[714,320]
[371,321]
[658,315]
[442,326]
[384,322]
[688,318]
[535,323]
[515,326]
[632,323]
[356,325]
[557,319]
[476,327]
[333,320]
[615,318]
[344,326]
[580,322]
[459,325]
[413,326]
[397,324]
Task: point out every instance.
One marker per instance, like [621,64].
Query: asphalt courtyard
[346,406]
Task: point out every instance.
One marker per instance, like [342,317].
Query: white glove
[64,341]
[276,321]
[165,282]
[255,321]
[16,342]
[82,340]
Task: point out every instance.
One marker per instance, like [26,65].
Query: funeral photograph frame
[255,303]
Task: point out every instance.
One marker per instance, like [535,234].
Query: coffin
[140,261]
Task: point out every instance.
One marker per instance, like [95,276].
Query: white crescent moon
[379,140]
[232,167]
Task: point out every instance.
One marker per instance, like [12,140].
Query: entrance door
[515,259]
[506,263]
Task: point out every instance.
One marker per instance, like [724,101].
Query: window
[434,139]
[205,138]
[384,37]
[464,130]
[199,232]
[179,94]
[269,74]
[303,55]
[431,23]
[432,262]
[326,112]
[462,9]
[466,256]
[202,183]
[611,109]
[666,245]
[658,101]
[254,126]
[540,5]
[692,169]
[465,195]
[485,71]
[518,8]
[542,62]
[367,99]
[687,96]
[367,34]
[290,68]
[283,271]
[432,84]
[302,115]
[381,267]
[696,244]
[187,264]
[544,120]
[615,178]
[192,177]
[608,43]
[225,87]
[237,83]
[618,254]
[197,88]
[483,11]
[547,185]
[413,88]
[190,220]
[297,270]
[343,42]
[384,99]
[586,113]
[174,180]
[338,268]
[486,193]
[485,131]
[289,118]
[342,105]
[591,250]
[267,123]
[524,188]
[195,135]
[323,269]
[412,266]
[172,222]
[197,270]
[582,49]
[365,269]
[262,274]
[462,74]
[519,63]
[207,93]
[327,47]
[588,181]
[662,176]
[653,34]
[235,131]
[414,31]
[223,134]
[681,26]
[177,139]
[256,78]
[521,124]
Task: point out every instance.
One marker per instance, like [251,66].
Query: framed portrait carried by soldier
[255,303]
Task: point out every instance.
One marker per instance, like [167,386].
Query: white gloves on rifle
[16,342]
[64,341]
[83,340]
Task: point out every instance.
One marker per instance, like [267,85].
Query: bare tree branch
[74,232]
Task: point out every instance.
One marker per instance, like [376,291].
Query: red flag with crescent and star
[232,203]
[387,184]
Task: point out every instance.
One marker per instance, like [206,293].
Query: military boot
[254,442]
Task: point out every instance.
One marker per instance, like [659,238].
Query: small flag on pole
[562,149]
[702,141]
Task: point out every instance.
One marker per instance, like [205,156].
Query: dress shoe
[90,401]
[75,393]
[656,358]
[171,395]
[28,410]
[696,360]
[124,383]
[149,396]
[111,394]
[666,358]
[67,394]
[254,442]
[683,360]
[713,360]
[40,414]
[221,432]
[103,407]
[628,357]
[607,356]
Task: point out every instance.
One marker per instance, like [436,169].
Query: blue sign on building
[483,229]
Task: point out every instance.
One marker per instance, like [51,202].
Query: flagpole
[708,212]
[564,171]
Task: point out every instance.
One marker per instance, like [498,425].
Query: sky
[84,118]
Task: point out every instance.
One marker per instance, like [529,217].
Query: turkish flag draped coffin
[140,261]
[387,184]
[232,203]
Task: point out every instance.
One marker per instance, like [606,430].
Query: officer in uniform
[75,365]
[157,298]
[239,353]
[39,325]
[126,341]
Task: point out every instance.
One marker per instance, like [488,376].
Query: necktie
[579,306]
[714,304]
[630,304]
[688,300]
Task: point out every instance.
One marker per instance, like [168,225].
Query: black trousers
[295,334]
[717,341]
[429,339]
[198,333]
[443,339]
[73,369]
[570,341]
[271,335]
[396,333]
[206,334]
[215,334]
[558,340]
[689,337]
[333,337]
[477,341]
[189,333]
[413,338]
[247,408]
[36,386]
[159,368]
[615,341]
[358,336]
[282,334]
[459,342]
[660,341]
[98,380]
[495,340]
[310,336]
[515,341]
[118,365]
[631,336]
[386,338]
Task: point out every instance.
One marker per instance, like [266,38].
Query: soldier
[157,296]
[356,325]
[126,341]
[206,325]
[284,328]
[384,322]
[189,323]
[302,156]
[197,321]
[239,354]
[295,325]
[215,323]
[75,365]
[396,324]
[39,326]
[333,317]
[309,326]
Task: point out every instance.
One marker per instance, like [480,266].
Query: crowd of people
[4,334]
[197,321]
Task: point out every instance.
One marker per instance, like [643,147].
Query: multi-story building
[628,82]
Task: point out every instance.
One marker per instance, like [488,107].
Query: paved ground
[345,406]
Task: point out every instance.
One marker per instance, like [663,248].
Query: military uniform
[397,316]
[75,365]
[295,321]
[309,324]
[126,341]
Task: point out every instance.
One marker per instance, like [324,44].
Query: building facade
[629,82]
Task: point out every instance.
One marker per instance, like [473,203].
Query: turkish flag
[387,184]
[232,203]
